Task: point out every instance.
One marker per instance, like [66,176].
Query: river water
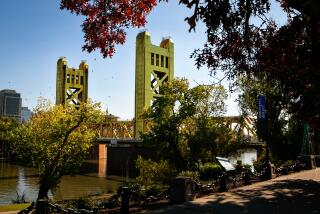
[20,180]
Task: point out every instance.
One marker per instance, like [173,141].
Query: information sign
[225,164]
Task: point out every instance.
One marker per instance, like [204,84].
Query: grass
[13,207]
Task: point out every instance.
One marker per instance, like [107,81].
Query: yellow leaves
[56,135]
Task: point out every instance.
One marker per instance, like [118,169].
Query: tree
[283,129]
[168,114]
[180,116]
[106,20]
[56,140]
[206,132]
[7,125]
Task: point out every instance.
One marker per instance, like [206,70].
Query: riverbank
[12,208]
[20,180]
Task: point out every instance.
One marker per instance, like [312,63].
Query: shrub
[247,167]
[81,203]
[289,163]
[239,167]
[151,172]
[194,175]
[242,167]
[153,190]
[258,166]
[210,171]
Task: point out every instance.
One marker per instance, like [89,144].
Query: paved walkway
[294,193]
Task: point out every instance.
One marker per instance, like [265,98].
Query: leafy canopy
[186,122]
[56,140]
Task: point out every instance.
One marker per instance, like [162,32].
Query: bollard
[125,200]
[246,177]
[223,183]
[297,166]
[182,189]
[269,171]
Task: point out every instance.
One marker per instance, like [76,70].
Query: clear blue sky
[35,33]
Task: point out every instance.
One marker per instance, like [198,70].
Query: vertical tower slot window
[162,61]
[167,62]
[152,58]
[157,59]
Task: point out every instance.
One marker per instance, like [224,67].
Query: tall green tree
[207,132]
[284,130]
[168,114]
[7,126]
[56,140]
[182,122]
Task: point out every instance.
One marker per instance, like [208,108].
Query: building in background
[154,67]
[10,104]
[25,114]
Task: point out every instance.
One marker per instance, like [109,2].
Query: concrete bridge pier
[103,152]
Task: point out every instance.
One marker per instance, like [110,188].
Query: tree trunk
[43,188]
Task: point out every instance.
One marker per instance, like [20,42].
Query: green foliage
[56,140]
[258,166]
[153,173]
[7,125]
[289,163]
[284,129]
[209,171]
[186,123]
[153,190]
[80,203]
[194,175]
[247,167]
[207,137]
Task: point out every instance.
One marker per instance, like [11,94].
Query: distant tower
[154,67]
[72,84]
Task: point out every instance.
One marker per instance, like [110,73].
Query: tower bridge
[154,66]
[118,141]
[123,130]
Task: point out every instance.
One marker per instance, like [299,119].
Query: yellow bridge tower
[154,67]
[72,84]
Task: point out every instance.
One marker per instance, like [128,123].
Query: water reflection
[16,179]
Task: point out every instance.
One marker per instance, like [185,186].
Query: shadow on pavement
[292,196]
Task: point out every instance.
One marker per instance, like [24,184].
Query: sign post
[262,107]
[227,168]
[262,117]
[263,130]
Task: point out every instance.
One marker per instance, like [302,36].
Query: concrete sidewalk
[294,193]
